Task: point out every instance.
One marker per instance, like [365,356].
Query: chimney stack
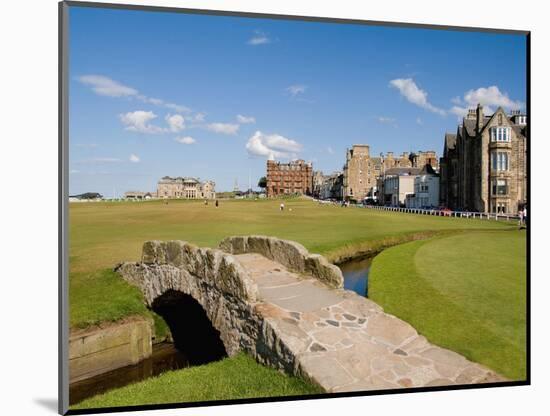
[479,116]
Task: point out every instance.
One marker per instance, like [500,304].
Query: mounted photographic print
[267,208]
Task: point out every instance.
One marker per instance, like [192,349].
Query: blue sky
[155,94]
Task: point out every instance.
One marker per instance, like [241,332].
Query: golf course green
[465,292]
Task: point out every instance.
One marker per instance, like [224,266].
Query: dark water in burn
[356,275]
[165,357]
[196,342]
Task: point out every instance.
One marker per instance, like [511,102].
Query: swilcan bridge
[286,307]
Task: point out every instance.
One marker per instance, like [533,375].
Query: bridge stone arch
[286,307]
[213,278]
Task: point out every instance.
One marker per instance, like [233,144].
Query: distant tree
[262,183]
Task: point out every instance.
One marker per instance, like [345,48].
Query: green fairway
[105,233]
[465,292]
[238,377]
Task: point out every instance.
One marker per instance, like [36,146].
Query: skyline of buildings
[142,107]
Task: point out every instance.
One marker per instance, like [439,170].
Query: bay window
[500,161]
[500,134]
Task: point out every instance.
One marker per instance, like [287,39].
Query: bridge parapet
[294,256]
[213,266]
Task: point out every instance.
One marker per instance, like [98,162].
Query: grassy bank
[465,292]
[103,234]
[238,377]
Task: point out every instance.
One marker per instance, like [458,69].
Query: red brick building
[295,177]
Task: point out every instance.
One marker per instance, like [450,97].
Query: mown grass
[237,377]
[106,233]
[465,292]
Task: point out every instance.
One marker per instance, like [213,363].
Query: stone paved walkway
[345,342]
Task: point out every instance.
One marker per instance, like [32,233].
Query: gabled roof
[470,127]
[403,171]
[427,170]
[450,141]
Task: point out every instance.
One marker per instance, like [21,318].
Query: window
[500,187]
[423,187]
[500,134]
[500,161]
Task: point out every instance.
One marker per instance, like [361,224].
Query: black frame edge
[63,208]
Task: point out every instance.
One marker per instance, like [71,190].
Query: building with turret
[484,165]
[295,177]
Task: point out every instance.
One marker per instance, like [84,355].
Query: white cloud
[386,120]
[134,158]
[259,38]
[103,85]
[106,86]
[139,121]
[408,89]
[460,112]
[223,128]
[177,108]
[272,146]
[175,122]
[493,97]
[185,140]
[456,100]
[330,150]
[490,98]
[245,120]
[156,101]
[296,89]
[197,117]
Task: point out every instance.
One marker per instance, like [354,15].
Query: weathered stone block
[100,349]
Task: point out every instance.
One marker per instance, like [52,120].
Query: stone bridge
[286,307]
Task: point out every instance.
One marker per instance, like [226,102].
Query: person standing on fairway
[217,203]
[282,206]
[521,220]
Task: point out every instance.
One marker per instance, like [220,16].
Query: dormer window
[500,134]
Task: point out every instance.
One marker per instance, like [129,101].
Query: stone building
[185,188]
[318,181]
[332,186]
[421,159]
[295,177]
[362,171]
[484,165]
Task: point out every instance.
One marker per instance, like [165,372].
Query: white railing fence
[454,214]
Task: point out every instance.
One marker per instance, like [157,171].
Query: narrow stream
[165,357]
[356,274]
